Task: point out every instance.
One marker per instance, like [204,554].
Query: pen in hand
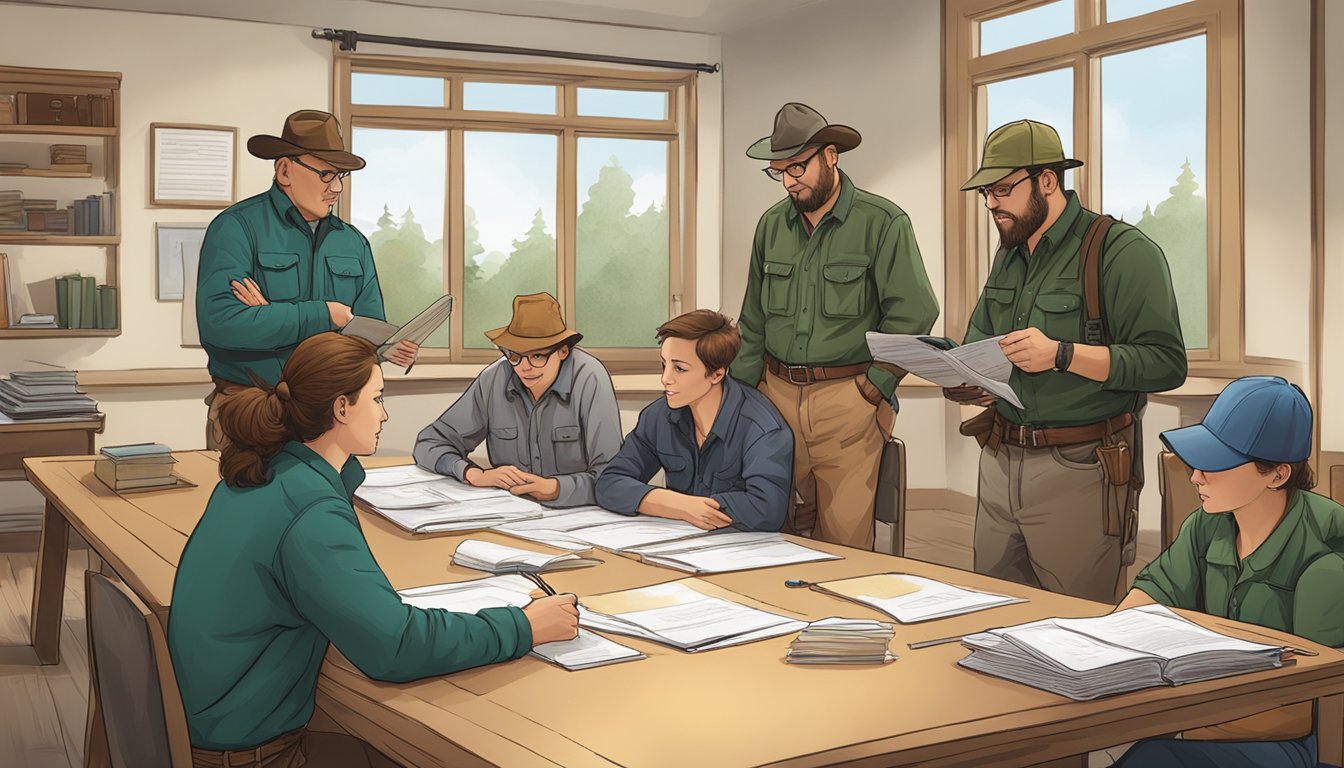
[540,582]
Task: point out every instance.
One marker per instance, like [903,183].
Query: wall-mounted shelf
[42,238]
[49,173]
[58,130]
[48,333]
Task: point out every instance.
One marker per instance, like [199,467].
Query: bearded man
[1059,477]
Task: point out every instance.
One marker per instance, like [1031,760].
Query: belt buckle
[790,369]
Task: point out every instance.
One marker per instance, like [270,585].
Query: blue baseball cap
[1261,418]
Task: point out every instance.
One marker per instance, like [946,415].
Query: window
[491,181]
[1147,93]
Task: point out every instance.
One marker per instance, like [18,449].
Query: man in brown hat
[546,410]
[829,263]
[279,267]
[1060,476]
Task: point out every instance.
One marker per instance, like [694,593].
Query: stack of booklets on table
[842,641]
[909,599]
[137,467]
[423,502]
[583,652]
[1124,651]
[498,558]
[722,552]
[52,394]
[580,528]
[690,615]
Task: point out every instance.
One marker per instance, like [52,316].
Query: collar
[285,209]
[1223,546]
[1058,231]
[345,483]
[562,386]
[1266,557]
[839,211]
[727,416]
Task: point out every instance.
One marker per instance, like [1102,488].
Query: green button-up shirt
[812,297]
[1044,289]
[298,270]
[1291,582]
[270,575]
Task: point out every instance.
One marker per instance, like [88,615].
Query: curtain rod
[349,38]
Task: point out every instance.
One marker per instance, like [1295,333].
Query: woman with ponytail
[278,568]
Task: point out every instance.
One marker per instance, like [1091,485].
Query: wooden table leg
[1330,729]
[49,587]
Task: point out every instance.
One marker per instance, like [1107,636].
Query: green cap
[1023,144]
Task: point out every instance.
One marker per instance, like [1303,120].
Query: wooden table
[740,706]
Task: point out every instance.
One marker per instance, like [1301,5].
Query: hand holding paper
[980,364]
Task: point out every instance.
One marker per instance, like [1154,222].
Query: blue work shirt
[746,463]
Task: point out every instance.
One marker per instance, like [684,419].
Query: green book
[74,298]
[107,306]
[88,316]
[63,301]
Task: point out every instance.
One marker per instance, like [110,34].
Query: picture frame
[174,242]
[192,166]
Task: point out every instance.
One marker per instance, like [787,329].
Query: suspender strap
[1094,331]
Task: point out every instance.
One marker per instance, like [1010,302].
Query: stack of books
[11,211]
[69,154]
[80,303]
[92,216]
[37,320]
[842,641]
[142,465]
[50,394]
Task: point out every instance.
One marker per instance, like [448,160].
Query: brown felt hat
[536,324]
[307,132]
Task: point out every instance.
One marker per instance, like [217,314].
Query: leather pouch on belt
[979,426]
[1116,466]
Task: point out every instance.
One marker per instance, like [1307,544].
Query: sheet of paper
[679,615]
[472,596]
[586,651]
[980,363]
[932,600]
[726,552]
[634,532]
[390,477]
[1157,630]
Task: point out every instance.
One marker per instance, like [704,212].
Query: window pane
[1040,23]
[396,90]
[1125,9]
[509,97]
[640,105]
[399,206]
[621,241]
[1153,138]
[510,226]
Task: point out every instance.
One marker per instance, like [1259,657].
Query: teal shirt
[298,269]
[270,576]
[1291,582]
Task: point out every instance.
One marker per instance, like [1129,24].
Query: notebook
[498,558]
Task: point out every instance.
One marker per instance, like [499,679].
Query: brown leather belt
[803,375]
[1025,436]
[246,758]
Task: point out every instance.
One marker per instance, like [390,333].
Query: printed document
[981,363]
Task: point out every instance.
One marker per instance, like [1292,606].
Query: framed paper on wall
[192,166]
[177,243]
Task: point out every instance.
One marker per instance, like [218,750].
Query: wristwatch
[1064,356]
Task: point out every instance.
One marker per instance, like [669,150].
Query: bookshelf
[27,144]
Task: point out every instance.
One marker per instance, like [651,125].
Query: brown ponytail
[258,421]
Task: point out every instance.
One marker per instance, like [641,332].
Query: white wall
[1331,410]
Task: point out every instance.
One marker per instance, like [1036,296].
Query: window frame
[678,129]
[965,71]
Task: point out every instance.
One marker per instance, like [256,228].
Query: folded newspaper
[980,363]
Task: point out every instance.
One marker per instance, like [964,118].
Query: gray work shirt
[569,434]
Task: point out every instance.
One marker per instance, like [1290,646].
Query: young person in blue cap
[1262,549]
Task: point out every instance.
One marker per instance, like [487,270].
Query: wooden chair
[1179,496]
[889,504]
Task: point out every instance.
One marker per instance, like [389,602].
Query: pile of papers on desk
[909,599]
[421,502]
[583,652]
[580,528]
[1123,651]
[722,552]
[842,641]
[50,394]
[497,558]
[135,467]
[690,615]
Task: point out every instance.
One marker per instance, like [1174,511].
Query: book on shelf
[36,320]
[48,221]
[107,307]
[4,290]
[63,109]
[68,153]
[8,113]
[88,296]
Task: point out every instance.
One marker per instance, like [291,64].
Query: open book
[981,363]
[386,335]
[1124,651]
[910,599]
[497,558]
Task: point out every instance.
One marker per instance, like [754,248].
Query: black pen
[536,579]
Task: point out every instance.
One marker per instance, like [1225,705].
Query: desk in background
[740,706]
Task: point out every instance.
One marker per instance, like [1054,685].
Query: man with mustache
[1059,477]
[829,263]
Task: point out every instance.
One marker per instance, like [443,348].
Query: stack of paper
[690,615]
[582,528]
[422,502]
[583,652]
[497,558]
[909,599]
[981,363]
[729,551]
[1136,648]
[130,467]
[45,395]
[842,641]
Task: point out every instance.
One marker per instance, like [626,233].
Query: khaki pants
[1039,520]
[214,436]
[837,445]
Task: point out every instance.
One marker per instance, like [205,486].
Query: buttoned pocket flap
[1057,302]
[565,434]
[843,273]
[672,462]
[778,268]
[504,433]
[346,266]
[277,260]
[1001,295]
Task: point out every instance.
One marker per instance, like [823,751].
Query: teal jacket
[274,573]
[298,270]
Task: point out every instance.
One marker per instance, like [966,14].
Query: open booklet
[386,335]
[980,363]
[728,551]
[585,651]
[498,558]
[421,502]
[580,528]
[1123,651]
[910,599]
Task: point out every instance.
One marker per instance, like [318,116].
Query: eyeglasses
[537,359]
[1000,191]
[326,176]
[793,169]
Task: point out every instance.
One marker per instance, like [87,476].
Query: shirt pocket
[676,472]
[728,480]
[999,304]
[844,290]
[279,275]
[1060,315]
[778,290]
[502,445]
[347,275]
[568,447]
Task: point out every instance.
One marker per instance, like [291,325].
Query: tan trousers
[837,445]
[1039,520]
[214,436]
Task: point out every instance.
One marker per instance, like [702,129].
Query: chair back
[889,501]
[1179,495]
[132,679]
[1336,483]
